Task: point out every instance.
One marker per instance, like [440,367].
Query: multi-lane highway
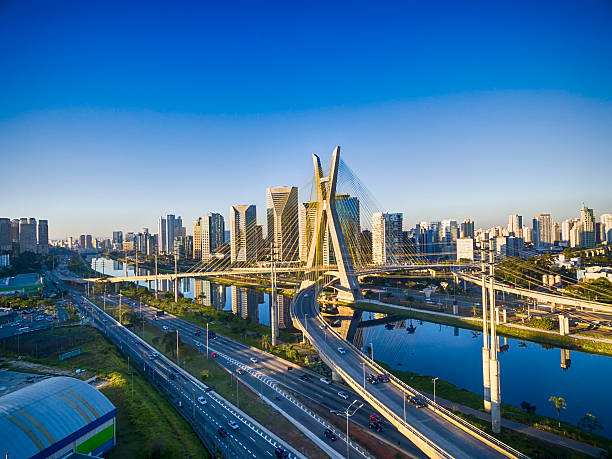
[204,408]
[448,438]
[277,379]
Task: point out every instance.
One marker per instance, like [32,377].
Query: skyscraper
[347,208]
[283,225]
[213,234]
[243,220]
[386,238]
[606,223]
[587,236]
[5,234]
[542,231]
[197,239]
[27,235]
[467,228]
[307,214]
[43,236]
[162,239]
[515,225]
[170,233]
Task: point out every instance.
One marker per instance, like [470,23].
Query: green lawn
[147,425]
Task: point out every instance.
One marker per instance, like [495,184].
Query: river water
[529,372]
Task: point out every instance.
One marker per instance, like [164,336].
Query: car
[372,379]
[341,350]
[289,368]
[343,395]
[172,376]
[330,434]
[165,328]
[253,359]
[383,378]
[325,381]
[202,400]
[375,417]
[415,401]
[304,377]
[153,355]
[323,326]
[233,425]
[214,354]
[280,452]
[198,332]
[222,432]
[240,371]
[375,426]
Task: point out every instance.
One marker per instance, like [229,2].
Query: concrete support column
[336,377]
[495,396]
[486,380]
[563,324]
[455,309]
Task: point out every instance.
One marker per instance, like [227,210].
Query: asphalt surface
[446,435]
[270,376]
[248,441]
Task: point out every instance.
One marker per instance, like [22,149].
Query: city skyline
[419,114]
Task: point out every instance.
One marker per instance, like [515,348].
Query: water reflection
[530,372]
[243,301]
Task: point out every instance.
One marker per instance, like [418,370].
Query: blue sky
[111,115]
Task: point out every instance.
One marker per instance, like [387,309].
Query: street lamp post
[348,414]
[404,397]
[206,339]
[434,383]
[119,307]
[372,351]
[177,347]
[363,366]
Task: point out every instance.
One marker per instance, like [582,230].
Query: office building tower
[88,242]
[243,220]
[179,247]
[212,234]
[606,228]
[467,228]
[162,236]
[587,238]
[283,225]
[82,241]
[575,234]
[117,237]
[197,239]
[15,231]
[465,249]
[387,238]
[170,233]
[5,234]
[542,234]
[27,235]
[347,208]
[307,214]
[43,236]
[556,232]
[515,225]
[598,233]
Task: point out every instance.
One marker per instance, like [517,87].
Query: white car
[233,425]
[202,401]
[341,350]
[343,395]
[253,359]
[325,381]
[165,328]
[323,326]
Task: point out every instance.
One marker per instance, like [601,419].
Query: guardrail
[460,422]
[260,430]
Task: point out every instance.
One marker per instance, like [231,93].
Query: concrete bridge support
[336,377]
[564,327]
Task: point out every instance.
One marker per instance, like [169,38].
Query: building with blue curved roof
[54,418]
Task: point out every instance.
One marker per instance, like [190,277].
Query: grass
[568,342]
[456,394]
[147,425]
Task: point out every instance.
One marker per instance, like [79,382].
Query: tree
[559,404]
[474,309]
[589,422]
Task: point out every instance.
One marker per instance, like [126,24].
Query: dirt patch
[38,368]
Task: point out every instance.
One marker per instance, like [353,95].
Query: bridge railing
[465,425]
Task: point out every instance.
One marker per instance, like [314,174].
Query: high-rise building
[587,237]
[365,244]
[527,234]
[43,236]
[243,220]
[347,208]
[283,224]
[212,234]
[162,235]
[467,228]
[556,232]
[27,235]
[89,242]
[197,239]
[515,225]
[5,234]
[15,231]
[606,228]
[387,238]
[170,233]
[542,234]
[307,214]
[118,240]
[465,249]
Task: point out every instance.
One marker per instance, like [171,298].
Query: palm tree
[474,309]
[589,422]
[559,404]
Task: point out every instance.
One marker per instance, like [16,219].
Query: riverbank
[578,343]
[470,405]
[286,291]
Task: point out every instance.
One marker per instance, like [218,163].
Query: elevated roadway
[434,430]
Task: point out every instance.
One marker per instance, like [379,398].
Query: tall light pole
[434,383]
[206,339]
[486,366]
[120,307]
[363,366]
[404,397]
[348,412]
[177,345]
[372,351]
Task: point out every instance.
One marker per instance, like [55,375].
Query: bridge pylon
[327,218]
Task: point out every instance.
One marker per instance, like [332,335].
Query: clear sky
[112,114]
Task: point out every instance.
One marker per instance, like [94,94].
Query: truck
[160,313]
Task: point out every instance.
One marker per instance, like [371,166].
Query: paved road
[270,372]
[446,435]
[249,441]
